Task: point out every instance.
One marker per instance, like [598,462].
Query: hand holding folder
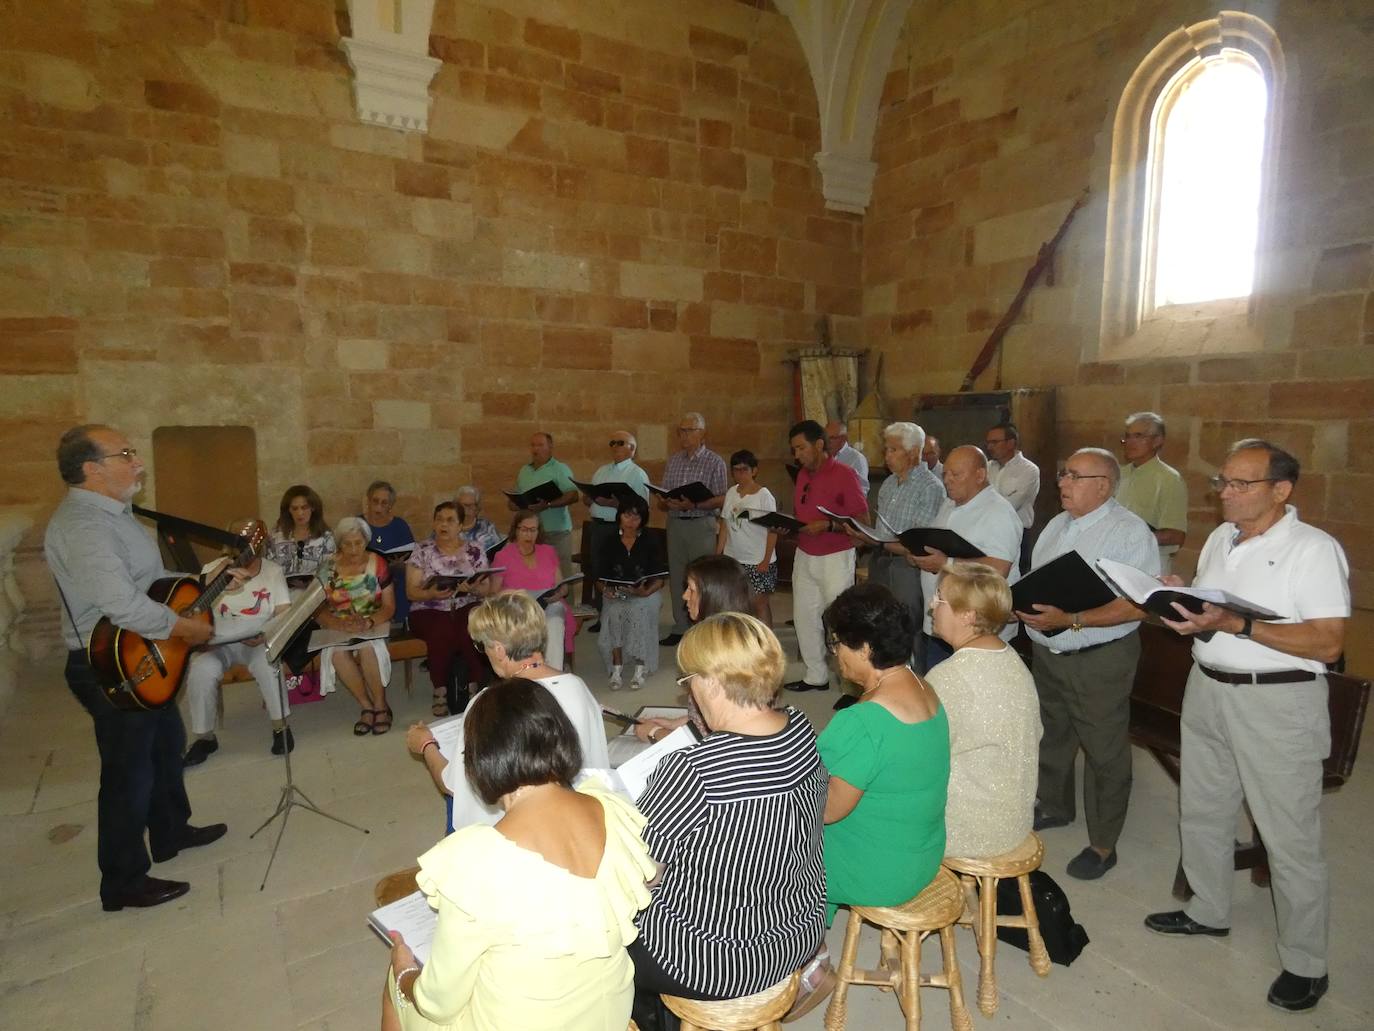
[1065,584]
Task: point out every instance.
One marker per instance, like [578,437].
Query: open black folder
[918,538]
[1067,583]
[617,490]
[546,491]
[1157,598]
[780,521]
[696,492]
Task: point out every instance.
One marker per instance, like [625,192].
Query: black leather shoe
[152,892]
[1294,994]
[201,749]
[1045,821]
[1178,922]
[1088,865]
[283,741]
[670,640]
[595,628]
[192,837]
[802,685]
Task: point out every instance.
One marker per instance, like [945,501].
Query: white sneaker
[615,678]
[637,681]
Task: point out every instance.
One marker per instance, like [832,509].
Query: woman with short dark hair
[630,606]
[888,757]
[754,547]
[534,912]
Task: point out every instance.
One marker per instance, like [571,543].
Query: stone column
[13,526]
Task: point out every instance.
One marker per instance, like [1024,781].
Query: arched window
[1191,154]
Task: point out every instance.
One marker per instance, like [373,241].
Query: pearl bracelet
[400,992]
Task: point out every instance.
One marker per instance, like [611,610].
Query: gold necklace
[879,682]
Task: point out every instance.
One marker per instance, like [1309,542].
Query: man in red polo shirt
[824,565]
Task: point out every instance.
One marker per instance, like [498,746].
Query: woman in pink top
[531,566]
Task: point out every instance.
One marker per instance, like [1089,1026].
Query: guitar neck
[217,586]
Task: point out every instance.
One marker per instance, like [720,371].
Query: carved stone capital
[846,181]
[391,86]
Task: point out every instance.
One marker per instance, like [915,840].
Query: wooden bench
[402,648]
[1157,707]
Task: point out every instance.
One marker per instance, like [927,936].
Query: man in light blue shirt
[837,443]
[554,518]
[620,469]
[1084,673]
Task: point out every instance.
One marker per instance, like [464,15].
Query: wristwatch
[1075,621]
[1244,631]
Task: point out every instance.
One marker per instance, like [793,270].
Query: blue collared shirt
[104,562]
[620,472]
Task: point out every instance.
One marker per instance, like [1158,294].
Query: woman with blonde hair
[735,825]
[510,628]
[994,714]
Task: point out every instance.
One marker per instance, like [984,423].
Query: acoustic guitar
[137,674]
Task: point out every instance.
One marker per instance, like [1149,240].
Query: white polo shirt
[1292,568]
[987,521]
[1019,482]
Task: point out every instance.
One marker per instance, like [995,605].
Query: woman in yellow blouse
[535,912]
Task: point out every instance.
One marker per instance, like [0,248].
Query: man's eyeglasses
[1073,477]
[619,443]
[832,641]
[128,454]
[990,441]
[1219,483]
[1126,438]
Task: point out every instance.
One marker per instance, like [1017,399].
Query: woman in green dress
[888,758]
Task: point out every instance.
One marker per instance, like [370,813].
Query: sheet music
[636,770]
[1139,586]
[338,638]
[625,746]
[413,917]
[448,734]
[871,532]
[281,628]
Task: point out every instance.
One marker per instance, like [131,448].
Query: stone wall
[614,218]
[996,116]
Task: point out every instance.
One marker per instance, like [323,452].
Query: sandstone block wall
[614,218]
[996,116]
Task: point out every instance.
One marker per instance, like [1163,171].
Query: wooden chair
[762,1011]
[979,878]
[935,910]
[395,886]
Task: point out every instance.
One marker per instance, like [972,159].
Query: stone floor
[298,953]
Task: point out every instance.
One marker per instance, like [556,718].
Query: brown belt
[1282,676]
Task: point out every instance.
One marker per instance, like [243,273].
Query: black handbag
[1064,939]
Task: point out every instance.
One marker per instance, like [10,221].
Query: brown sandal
[440,706]
[381,720]
[362,728]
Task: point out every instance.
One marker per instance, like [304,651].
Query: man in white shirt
[1149,488]
[1084,662]
[1014,475]
[1255,724]
[982,517]
[622,468]
[837,444]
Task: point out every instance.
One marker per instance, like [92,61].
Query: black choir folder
[696,492]
[617,490]
[780,521]
[1067,583]
[918,538]
[546,491]
[1157,598]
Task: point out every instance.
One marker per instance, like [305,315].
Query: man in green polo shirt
[554,518]
[1149,488]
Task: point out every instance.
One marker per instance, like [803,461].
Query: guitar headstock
[254,537]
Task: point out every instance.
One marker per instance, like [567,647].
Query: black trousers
[651,981]
[141,784]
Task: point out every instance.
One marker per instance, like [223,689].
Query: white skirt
[328,674]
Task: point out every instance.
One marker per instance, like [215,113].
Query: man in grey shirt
[104,563]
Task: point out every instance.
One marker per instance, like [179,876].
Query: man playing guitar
[104,562]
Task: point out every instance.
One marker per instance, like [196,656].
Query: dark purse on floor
[1064,939]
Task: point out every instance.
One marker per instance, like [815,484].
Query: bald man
[980,515]
[1084,673]
[838,446]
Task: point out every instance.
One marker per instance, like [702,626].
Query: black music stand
[292,796]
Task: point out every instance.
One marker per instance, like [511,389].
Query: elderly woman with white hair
[359,600]
[910,496]
[472,525]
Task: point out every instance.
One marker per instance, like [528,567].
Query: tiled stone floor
[299,955]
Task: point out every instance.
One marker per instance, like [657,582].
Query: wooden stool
[935,910]
[980,877]
[395,886]
[762,1011]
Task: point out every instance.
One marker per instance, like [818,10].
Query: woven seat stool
[395,886]
[762,1011]
[980,877]
[934,911]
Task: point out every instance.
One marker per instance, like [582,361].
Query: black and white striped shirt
[736,821]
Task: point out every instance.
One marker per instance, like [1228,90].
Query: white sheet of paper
[448,732]
[1138,585]
[413,918]
[636,770]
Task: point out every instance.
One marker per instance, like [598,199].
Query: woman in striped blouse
[735,825]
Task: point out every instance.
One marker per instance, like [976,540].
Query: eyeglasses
[1219,483]
[832,641]
[619,443]
[993,440]
[1126,438]
[1073,477]
[128,454]
[937,600]
[682,681]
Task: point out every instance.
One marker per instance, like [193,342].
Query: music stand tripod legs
[291,796]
